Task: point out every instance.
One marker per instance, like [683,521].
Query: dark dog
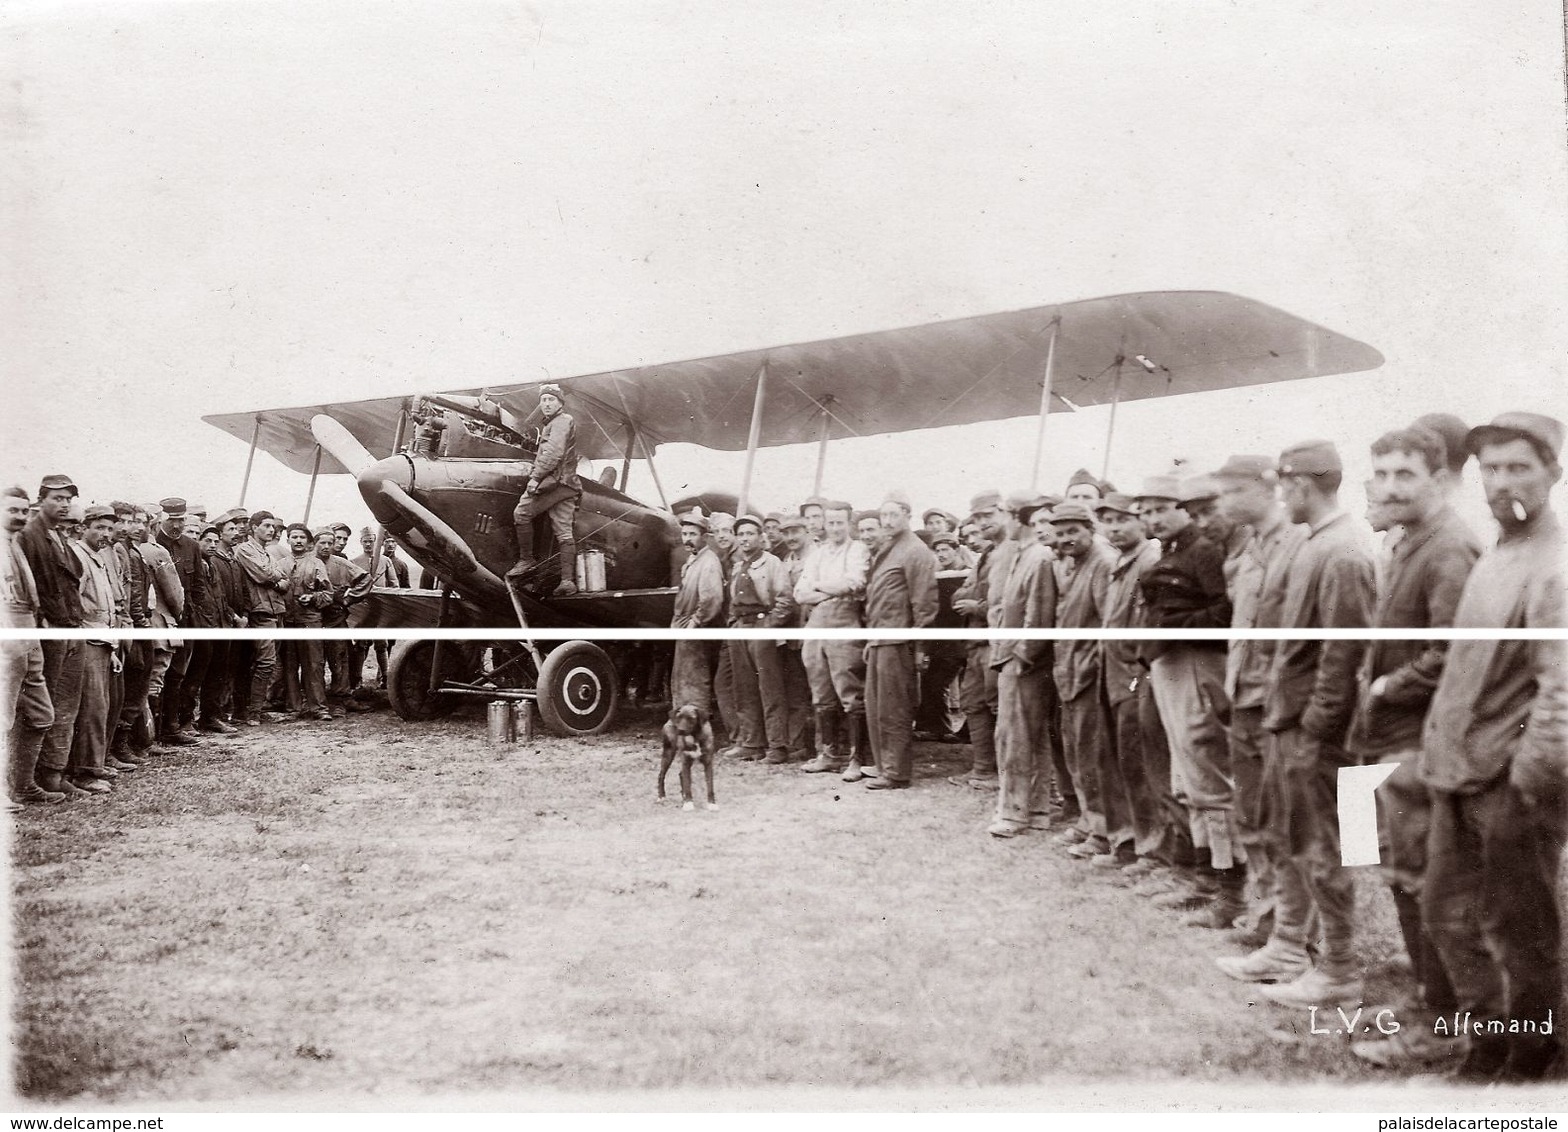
[688,734]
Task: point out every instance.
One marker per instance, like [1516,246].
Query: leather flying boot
[525,550]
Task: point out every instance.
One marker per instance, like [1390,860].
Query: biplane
[442,472]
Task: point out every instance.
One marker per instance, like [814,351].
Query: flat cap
[292,527]
[325,529]
[1540,430]
[1071,512]
[814,501]
[56,483]
[344,527]
[209,529]
[747,521]
[1161,487]
[121,507]
[173,507]
[1310,458]
[946,538]
[1194,488]
[1025,500]
[722,519]
[97,511]
[1260,468]
[773,517]
[792,522]
[233,515]
[862,516]
[985,501]
[898,499]
[695,518]
[1118,502]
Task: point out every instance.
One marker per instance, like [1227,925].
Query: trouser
[797,698]
[1086,736]
[946,661]
[560,504]
[264,664]
[836,671]
[1490,904]
[338,659]
[304,676]
[691,676]
[215,685]
[890,707]
[137,679]
[195,676]
[1404,823]
[1139,797]
[26,714]
[1189,685]
[63,662]
[174,686]
[1175,837]
[90,743]
[242,665]
[1250,808]
[1311,876]
[978,697]
[1023,742]
[759,694]
[724,690]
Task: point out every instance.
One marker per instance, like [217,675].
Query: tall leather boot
[568,559]
[855,737]
[1228,902]
[525,550]
[828,728]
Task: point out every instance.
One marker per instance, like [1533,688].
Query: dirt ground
[371,909]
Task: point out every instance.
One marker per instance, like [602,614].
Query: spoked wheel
[409,678]
[578,689]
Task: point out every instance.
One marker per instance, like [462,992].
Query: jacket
[699,603]
[1421,588]
[1257,587]
[761,596]
[1328,585]
[1082,603]
[1185,589]
[262,575]
[57,573]
[186,553]
[556,460]
[901,590]
[1124,610]
[167,594]
[1027,600]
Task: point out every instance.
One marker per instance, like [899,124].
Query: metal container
[595,571]
[503,723]
[580,571]
[523,713]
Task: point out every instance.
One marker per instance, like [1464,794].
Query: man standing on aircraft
[553,489]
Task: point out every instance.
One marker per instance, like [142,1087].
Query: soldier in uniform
[553,489]
[761,597]
[699,604]
[57,573]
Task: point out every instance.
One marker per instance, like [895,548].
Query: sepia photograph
[736,557]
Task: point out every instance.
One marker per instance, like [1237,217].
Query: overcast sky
[229,206]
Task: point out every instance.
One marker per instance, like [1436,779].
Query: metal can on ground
[503,724]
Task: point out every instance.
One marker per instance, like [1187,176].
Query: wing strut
[753,437]
[822,448]
[255,435]
[1045,401]
[310,496]
[1110,428]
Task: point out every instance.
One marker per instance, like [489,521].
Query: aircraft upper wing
[989,367]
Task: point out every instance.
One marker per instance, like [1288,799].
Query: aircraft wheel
[579,690]
[408,680]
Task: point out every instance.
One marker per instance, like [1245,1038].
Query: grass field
[371,909]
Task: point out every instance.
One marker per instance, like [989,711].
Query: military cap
[344,527]
[97,511]
[945,538]
[553,389]
[898,499]
[1071,512]
[172,507]
[722,519]
[773,517]
[1194,488]
[233,515]
[1452,430]
[985,501]
[74,513]
[1161,487]
[792,522]
[1259,468]
[1542,431]
[838,505]
[56,483]
[695,518]
[1024,501]
[747,521]
[209,529]
[323,530]
[814,501]
[1310,458]
[292,527]
[121,507]
[262,517]
[862,516]
[1084,475]
[1117,502]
